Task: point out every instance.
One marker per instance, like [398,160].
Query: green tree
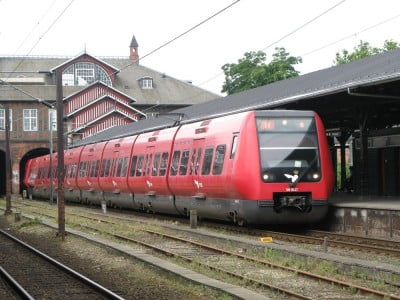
[363,49]
[251,71]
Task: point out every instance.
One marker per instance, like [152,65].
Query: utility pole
[51,114]
[8,161]
[60,150]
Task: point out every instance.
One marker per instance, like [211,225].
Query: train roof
[380,68]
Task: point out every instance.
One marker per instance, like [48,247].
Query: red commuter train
[256,167]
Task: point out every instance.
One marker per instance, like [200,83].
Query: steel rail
[303,273]
[264,262]
[244,257]
[376,241]
[190,260]
[330,243]
[393,251]
[66,269]
[15,285]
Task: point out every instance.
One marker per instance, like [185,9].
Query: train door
[195,160]
[147,167]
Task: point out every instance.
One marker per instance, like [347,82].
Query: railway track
[314,237]
[10,288]
[256,271]
[42,277]
[336,240]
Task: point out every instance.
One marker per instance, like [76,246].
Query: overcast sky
[105,28]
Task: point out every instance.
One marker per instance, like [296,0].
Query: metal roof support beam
[344,136]
[364,179]
[372,95]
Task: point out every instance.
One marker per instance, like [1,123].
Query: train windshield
[288,149]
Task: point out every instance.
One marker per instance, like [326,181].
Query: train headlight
[268,177]
[314,176]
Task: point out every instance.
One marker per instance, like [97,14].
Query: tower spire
[134,53]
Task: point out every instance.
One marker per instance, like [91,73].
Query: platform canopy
[364,91]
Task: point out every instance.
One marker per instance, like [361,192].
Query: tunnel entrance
[22,164]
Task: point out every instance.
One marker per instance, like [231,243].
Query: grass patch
[33,222]
[272,254]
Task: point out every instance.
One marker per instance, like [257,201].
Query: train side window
[92,168]
[149,161]
[119,167]
[66,168]
[144,165]
[184,162]
[103,167]
[163,164]
[206,168]
[97,168]
[73,170]
[113,167]
[133,166]
[82,169]
[175,163]
[107,168]
[219,159]
[197,164]
[156,163]
[140,166]
[192,162]
[234,146]
[124,166]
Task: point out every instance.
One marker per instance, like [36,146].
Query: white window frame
[147,83]
[3,118]
[30,121]
[52,119]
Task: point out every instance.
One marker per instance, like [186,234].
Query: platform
[369,202]
[376,216]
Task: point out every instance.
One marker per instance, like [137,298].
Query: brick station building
[98,93]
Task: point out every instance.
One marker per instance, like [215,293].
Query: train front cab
[291,174]
[200,174]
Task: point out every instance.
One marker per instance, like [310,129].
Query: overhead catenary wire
[352,35]
[181,35]
[42,36]
[146,55]
[34,28]
[285,36]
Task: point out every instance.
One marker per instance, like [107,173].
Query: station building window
[53,119]
[84,73]
[3,119]
[30,119]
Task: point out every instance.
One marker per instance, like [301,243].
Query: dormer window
[146,83]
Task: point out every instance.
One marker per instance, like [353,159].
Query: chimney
[134,53]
